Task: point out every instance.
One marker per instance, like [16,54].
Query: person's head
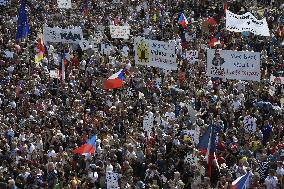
[11,183]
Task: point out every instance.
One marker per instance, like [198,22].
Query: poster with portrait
[239,65]
[155,53]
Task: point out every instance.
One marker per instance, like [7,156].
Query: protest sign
[155,53]
[54,73]
[277,80]
[64,4]
[250,124]
[104,48]
[4,2]
[233,64]
[56,34]
[148,122]
[121,32]
[112,180]
[192,56]
[246,22]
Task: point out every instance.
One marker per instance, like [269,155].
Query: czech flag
[85,4]
[207,145]
[215,40]
[115,81]
[241,182]
[40,50]
[182,20]
[89,147]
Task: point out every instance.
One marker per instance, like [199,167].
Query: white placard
[103,48]
[57,34]
[246,22]
[192,56]
[277,80]
[8,54]
[64,4]
[250,124]
[193,134]
[148,122]
[229,64]
[191,159]
[155,53]
[4,2]
[120,32]
[54,73]
[112,180]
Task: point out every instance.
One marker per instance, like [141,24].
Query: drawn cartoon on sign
[233,64]
[155,53]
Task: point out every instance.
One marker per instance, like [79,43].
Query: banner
[103,48]
[246,22]
[192,56]
[121,32]
[57,34]
[155,53]
[64,4]
[54,74]
[233,64]
[112,180]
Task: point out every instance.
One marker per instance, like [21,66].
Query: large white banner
[121,32]
[64,4]
[155,53]
[57,34]
[246,22]
[233,64]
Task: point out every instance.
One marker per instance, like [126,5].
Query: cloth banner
[57,34]
[229,64]
[4,2]
[277,80]
[121,32]
[64,4]
[155,53]
[112,180]
[191,56]
[246,22]
[103,48]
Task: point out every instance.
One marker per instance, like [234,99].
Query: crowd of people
[43,119]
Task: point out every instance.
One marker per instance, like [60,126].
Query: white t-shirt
[271,182]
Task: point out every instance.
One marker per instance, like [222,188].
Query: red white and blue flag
[182,20]
[89,147]
[241,182]
[207,145]
[115,81]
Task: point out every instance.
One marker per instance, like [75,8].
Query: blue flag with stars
[23,28]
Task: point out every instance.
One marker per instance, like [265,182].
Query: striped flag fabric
[242,181]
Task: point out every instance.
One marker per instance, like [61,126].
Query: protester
[61,128]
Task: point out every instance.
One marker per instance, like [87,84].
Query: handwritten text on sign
[233,64]
[56,34]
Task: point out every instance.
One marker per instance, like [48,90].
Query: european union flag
[23,28]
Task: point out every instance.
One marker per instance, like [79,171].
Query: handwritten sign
[64,4]
[277,80]
[155,53]
[250,124]
[246,22]
[56,34]
[122,32]
[192,56]
[112,180]
[233,64]
[104,48]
